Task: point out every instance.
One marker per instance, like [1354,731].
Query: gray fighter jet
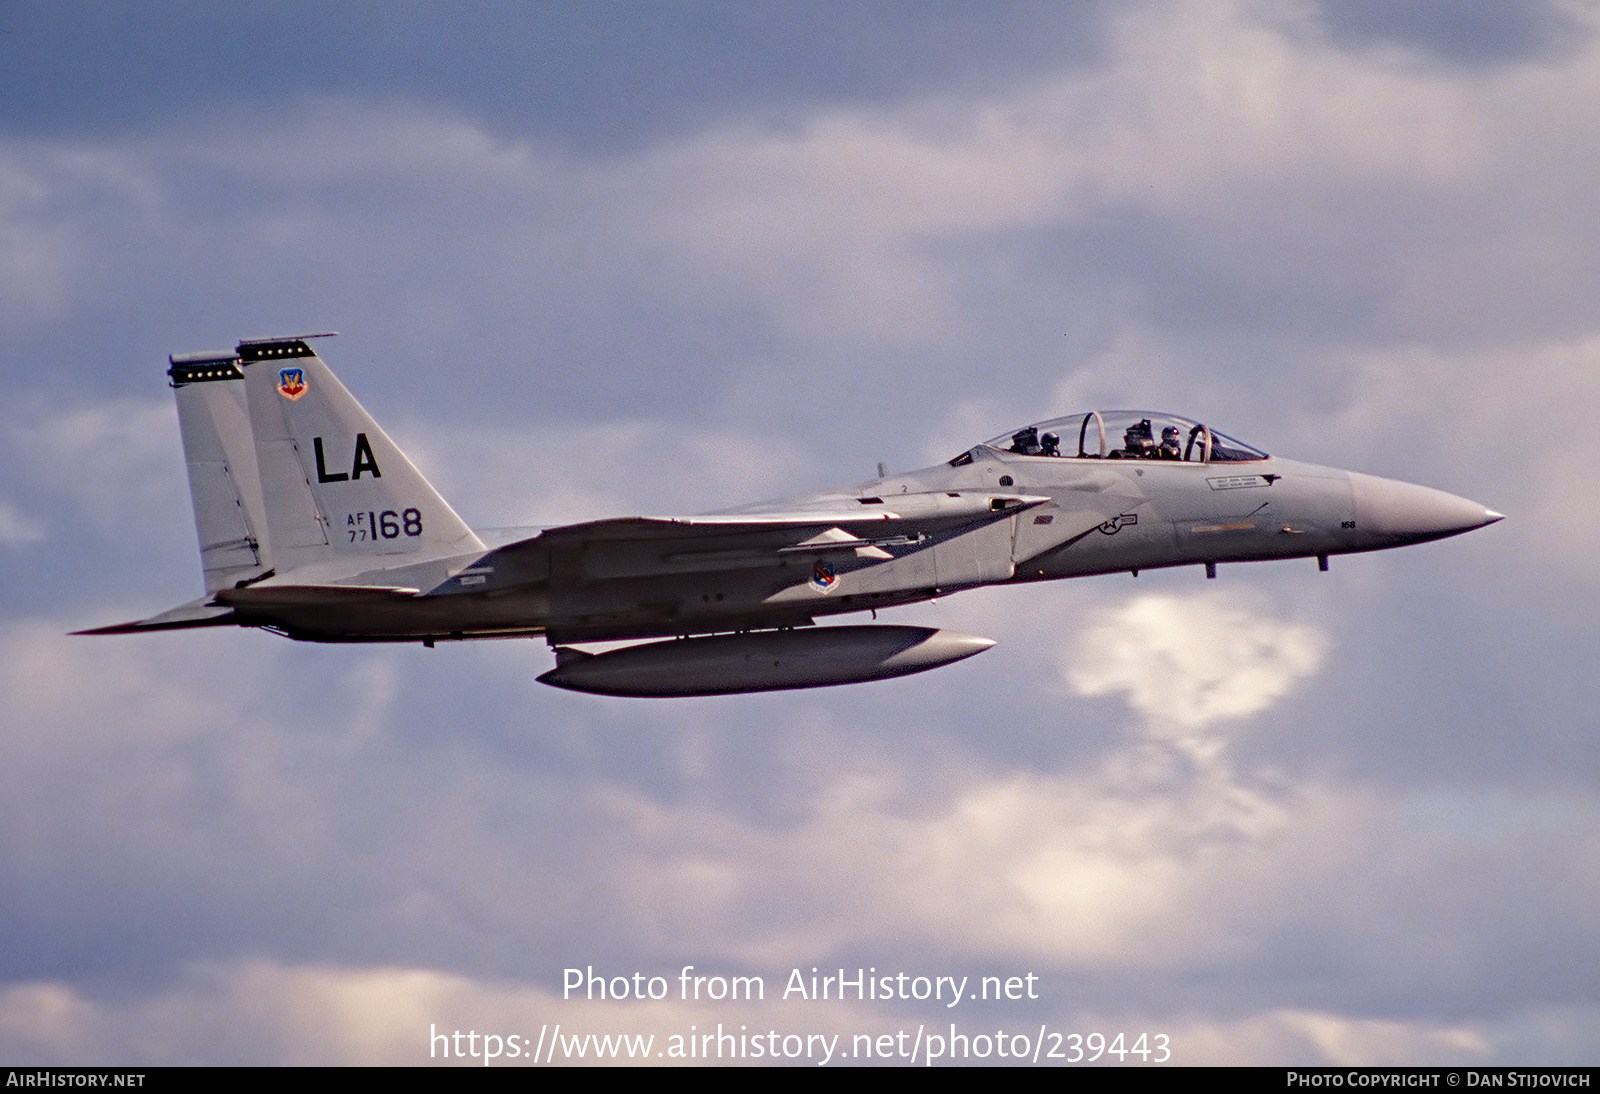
[313,524]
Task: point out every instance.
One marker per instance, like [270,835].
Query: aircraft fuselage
[1060,518]
[314,524]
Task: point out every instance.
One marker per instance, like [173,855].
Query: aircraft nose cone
[1402,512]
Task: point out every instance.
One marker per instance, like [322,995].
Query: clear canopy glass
[1125,435]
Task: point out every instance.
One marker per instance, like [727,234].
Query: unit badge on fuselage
[823,576]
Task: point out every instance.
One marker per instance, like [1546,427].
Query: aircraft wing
[753,568]
[932,510]
[642,546]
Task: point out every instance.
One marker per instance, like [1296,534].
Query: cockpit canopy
[1123,435]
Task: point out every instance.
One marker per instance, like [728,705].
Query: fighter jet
[314,525]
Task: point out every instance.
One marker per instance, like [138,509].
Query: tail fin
[336,489]
[229,513]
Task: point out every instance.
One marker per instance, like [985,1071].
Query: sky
[592,260]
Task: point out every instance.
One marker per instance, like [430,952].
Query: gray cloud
[1473,33]
[567,73]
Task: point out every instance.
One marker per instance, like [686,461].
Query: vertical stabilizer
[335,487]
[229,513]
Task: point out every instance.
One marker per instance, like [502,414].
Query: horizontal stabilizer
[196,613]
[313,596]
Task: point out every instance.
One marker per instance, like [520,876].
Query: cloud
[1215,177]
[16,528]
[33,243]
[1331,1040]
[331,818]
[1467,32]
[292,1015]
[1446,405]
[1186,664]
[561,474]
[118,460]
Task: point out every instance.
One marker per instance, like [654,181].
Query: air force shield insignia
[292,383]
[823,576]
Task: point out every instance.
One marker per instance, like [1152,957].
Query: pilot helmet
[1137,439]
